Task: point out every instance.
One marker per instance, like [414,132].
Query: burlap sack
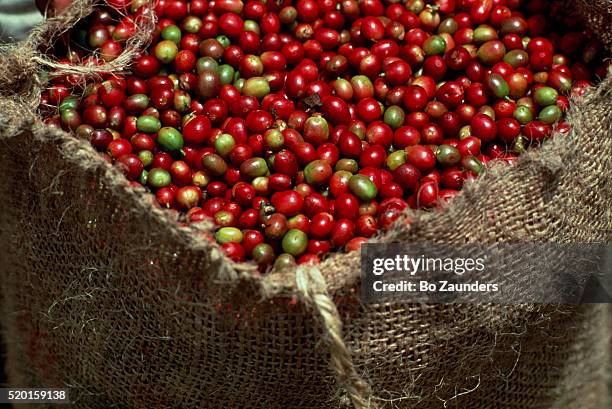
[105,293]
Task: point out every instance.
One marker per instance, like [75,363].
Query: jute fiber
[107,294]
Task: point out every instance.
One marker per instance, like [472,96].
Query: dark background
[2,375]
[2,353]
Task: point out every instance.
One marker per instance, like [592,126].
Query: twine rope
[312,289]
[21,64]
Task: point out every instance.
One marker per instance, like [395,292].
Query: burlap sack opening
[104,293]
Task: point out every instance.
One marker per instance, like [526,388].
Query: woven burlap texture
[105,293]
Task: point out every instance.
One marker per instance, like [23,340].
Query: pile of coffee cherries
[305,127]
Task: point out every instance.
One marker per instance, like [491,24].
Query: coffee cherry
[342,232]
[263,254]
[275,226]
[214,164]
[483,127]
[545,96]
[321,225]
[130,165]
[257,87]
[158,178]
[362,187]
[169,139]
[317,172]
[165,51]
[148,124]
[254,167]
[448,155]
[196,130]
[288,202]
[228,235]
[347,206]
[295,242]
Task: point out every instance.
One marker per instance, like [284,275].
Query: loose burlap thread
[109,295]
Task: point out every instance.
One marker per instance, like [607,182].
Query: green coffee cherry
[497,85]
[181,101]
[550,114]
[170,139]
[165,51]
[472,164]
[448,155]
[257,87]
[192,24]
[148,124]
[396,159]
[284,260]
[206,63]
[261,184]
[484,33]
[143,178]
[362,187]
[224,40]
[545,96]
[394,116]
[228,235]
[522,114]
[159,178]
[223,218]
[69,103]
[226,74]
[434,45]
[491,52]
[239,83]
[274,139]
[295,242]
[146,157]
[251,25]
[349,165]
[224,144]
[465,132]
[172,33]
